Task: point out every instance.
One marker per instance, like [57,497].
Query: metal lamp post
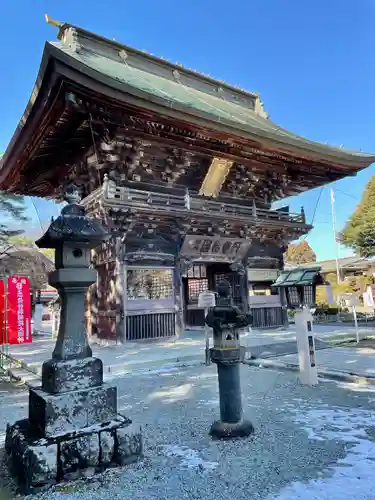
[226,320]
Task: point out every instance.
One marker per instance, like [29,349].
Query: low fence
[342,317]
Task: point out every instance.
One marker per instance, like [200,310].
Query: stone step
[26,377]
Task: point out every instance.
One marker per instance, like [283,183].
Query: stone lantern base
[70,434]
[73,427]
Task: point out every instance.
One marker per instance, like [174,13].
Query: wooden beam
[215,177]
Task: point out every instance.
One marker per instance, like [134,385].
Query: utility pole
[334,236]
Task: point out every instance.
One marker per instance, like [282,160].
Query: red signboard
[2,312]
[18,310]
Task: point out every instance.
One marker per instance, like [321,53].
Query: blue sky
[312,62]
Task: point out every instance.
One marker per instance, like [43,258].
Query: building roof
[327,266]
[154,85]
[190,91]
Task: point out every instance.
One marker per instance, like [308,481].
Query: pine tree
[12,208]
[359,231]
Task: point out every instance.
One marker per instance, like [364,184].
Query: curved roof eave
[123,92]
[280,138]
[24,122]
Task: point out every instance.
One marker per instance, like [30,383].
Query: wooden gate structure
[182,169]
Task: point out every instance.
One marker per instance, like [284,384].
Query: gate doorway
[203,277]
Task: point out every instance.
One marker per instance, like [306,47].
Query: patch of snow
[190,459]
[213,403]
[353,477]
[161,371]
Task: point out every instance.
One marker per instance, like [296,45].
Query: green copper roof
[168,90]
[306,276]
[180,89]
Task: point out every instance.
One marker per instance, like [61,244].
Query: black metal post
[229,392]
[225,320]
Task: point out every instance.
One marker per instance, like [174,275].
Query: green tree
[299,253]
[20,242]
[359,231]
[352,284]
[24,258]
[12,209]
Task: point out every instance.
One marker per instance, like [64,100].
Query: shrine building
[181,168]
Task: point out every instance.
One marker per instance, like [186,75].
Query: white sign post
[205,301]
[306,347]
[355,323]
[38,317]
[352,301]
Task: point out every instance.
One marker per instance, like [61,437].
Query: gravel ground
[302,437]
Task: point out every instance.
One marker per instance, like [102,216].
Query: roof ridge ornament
[123,55]
[53,22]
[72,194]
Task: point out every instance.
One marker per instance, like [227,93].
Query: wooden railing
[113,195]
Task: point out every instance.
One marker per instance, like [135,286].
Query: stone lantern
[73,424]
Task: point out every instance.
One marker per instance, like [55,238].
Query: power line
[347,194]
[315,210]
[316,205]
[37,214]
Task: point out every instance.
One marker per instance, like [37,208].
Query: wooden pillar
[120,276]
[284,307]
[245,292]
[178,300]
[93,314]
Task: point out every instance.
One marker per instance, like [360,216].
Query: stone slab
[37,462]
[128,444]
[41,464]
[71,375]
[58,414]
[107,447]
[79,453]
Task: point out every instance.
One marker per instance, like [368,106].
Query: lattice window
[308,296]
[195,287]
[227,277]
[294,298]
[149,284]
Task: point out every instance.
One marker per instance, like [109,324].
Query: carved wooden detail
[92,134]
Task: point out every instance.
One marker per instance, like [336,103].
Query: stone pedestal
[39,462]
[73,424]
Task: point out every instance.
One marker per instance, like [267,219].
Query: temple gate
[181,168]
